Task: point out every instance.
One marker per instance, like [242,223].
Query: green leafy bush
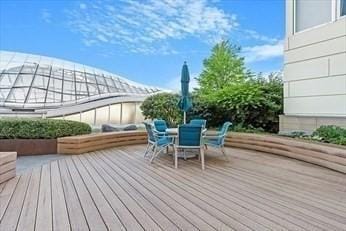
[163,106]
[229,91]
[331,134]
[41,128]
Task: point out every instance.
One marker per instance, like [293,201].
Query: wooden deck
[117,188]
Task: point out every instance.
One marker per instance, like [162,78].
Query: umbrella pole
[184,117]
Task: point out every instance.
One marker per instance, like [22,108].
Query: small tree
[223,68]
[163,106]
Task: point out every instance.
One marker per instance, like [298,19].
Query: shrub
[254,103]
[231,92]
[331,134]
[41,128]
[163,106]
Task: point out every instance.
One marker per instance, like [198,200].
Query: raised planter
[329,156]
[29,146]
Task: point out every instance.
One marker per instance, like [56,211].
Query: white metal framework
[34,84]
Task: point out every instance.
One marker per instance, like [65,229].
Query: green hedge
[331,134]
[41,128]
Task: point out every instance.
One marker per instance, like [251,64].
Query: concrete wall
[314,74]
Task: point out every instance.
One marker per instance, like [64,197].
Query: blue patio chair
[160,125]
[151,138]
[218,140]
[189,137]
[156,142]
[199,122]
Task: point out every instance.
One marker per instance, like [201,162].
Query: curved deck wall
[328,156]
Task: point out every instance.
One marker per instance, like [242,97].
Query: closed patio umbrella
[185,102]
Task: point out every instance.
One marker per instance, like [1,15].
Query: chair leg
[167,149]
[153,155]
[147,150]
[224,152]
[202,157]
[206,147]
[176,157]
[184,154]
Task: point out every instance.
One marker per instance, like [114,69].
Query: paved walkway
[25,163]
[117,188]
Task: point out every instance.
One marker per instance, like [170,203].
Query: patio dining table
[174,131]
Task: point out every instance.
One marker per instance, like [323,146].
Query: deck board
[59,209]
[145,203]
[75,211]
[117,189]
[28,214]
[10,219]
[174,217]
[6,194]
[44,212]
[127,219]
[91,211]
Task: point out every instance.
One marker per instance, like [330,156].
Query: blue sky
[145,41]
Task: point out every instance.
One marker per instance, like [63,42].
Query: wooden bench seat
[329,156]
[7,165]
[98,141]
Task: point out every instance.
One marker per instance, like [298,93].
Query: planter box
[29,146]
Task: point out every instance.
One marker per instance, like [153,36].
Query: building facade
[314,65]
[40,86]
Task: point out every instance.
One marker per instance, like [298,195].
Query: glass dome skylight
[33,81]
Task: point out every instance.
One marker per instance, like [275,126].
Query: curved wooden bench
[7,165]
[331,157]
[98,141]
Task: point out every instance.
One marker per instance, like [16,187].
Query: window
[37,95]
[74,117]
[343,7]
[18,95]
[310,13]
[128,113]
[114,114]
[88,117]
[102,115]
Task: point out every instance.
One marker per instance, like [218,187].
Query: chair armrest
[156,132]
[212,133]
[211,137]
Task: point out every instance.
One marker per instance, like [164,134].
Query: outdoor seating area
[117,188]
[187,137]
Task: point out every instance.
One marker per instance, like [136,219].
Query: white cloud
[175,85]
[252,34]
[46,16]
[263,52]
[147,26]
